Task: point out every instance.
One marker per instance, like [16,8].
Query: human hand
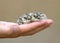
[13,30]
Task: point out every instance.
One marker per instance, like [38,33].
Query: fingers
[31,26]
[31,32]
[47,24]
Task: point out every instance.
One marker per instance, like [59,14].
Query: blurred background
[10,10]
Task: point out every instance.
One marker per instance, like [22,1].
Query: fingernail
[49,21]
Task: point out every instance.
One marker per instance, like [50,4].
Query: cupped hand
[13,30]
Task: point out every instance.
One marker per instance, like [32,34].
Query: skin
[13,30]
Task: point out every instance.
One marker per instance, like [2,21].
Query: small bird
[31,17]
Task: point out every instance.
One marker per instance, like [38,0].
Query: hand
[13,30]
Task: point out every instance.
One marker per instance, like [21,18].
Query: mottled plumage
[31,17]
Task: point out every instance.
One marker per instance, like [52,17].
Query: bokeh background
[10,10]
